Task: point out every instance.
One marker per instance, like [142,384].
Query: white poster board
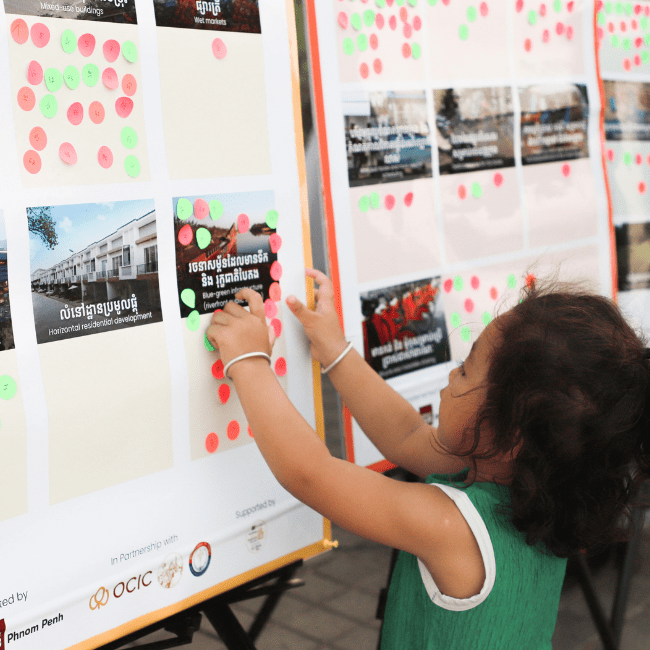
[461,155]
[152,165]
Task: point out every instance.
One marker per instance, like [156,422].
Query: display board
[461,157]
[624,54]
[152,166]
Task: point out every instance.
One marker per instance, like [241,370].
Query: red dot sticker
[275,293]
[38,138]
[232,430]
[186,235]
[379,21]
[219,49]
[559,29]
[34,73]
[542,10]
[96,112]
[566,170]
[281,367]
[211,442]
[527,45]
[270,309]
[469,305]
[389,201]
[276,270]
[569,33]
[275,242]
[462,192]
[403,14]
[637,59]
[75,114]
[129,85]
[343,19]
[494,294]
[642,187]
[243,223]
[392,22]
[374,41]
[377,66]
[364,71]
[86,44]
[484,9]
[627,64]
[406,50]
[639,159]
[610,154]
[217,369]
[105,157]
[19,31]
[475,282]
[111,50]
[201,209]
[110,79]
[224,393]
[498,179]
[26,98]
[67,153]
[123,106]
[519,6]
[530,280]
[407,30]
[277,327]
[40,34]
[448,285]
[408,199]
[546,36]
[32,162]
[417,23]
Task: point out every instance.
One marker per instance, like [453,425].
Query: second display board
[461,157]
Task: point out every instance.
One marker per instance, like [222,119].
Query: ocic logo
[101,596]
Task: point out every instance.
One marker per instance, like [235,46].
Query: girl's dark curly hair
[569,381]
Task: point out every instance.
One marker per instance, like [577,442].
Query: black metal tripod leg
[228,627]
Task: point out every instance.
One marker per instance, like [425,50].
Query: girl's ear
[514,452]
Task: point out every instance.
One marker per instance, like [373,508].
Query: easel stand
[217,610]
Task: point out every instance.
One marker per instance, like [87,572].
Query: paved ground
[335,609]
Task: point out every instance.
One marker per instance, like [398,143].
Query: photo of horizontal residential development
[94,268]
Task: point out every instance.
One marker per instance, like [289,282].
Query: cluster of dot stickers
[476,189]
[626,26]
[48,82]
[631,160]
[373,201]
[474,13]
[550,18]
[364,27]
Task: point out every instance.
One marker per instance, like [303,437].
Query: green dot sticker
[90,74]
[458,283]
[413,3]
[355,21]
[374,200]
[399,3]
[487,317]
[645,56]
[188,297]
[455,319]
[216,209]
[369,17]
[203,238]
[53,79]
[348,45]
[600,18]
[557,5]
[532,17]
[132,166]
[465,334]
[463,32]
[416,51]
[193,321]
[48,106]
[477,190]
[71,77]
[628,8]
[608,6]
[512,281]
[130,51]
[68,41]
[433,3]
[272,219]
[627,158]
[362,42]
[184,209]
[129,137]
[646,39]
[644,22]
[380,3]
[364,203]
[8,387]
[614,40]
[208,346]
[471,14]
[627,43]
[619,7]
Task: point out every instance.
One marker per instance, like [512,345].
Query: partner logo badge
[99,598]
[170,571]
[200,559]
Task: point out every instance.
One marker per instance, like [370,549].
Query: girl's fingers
[254,300]
[220,317]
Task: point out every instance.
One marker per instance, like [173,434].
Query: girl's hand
[235,330]
[322,325]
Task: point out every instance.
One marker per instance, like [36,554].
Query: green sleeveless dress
[517,607]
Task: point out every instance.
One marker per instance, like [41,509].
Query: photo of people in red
[404,327]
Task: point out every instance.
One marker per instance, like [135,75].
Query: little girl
[543,435]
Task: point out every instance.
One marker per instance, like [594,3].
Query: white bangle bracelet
[241,357]
[324,371]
